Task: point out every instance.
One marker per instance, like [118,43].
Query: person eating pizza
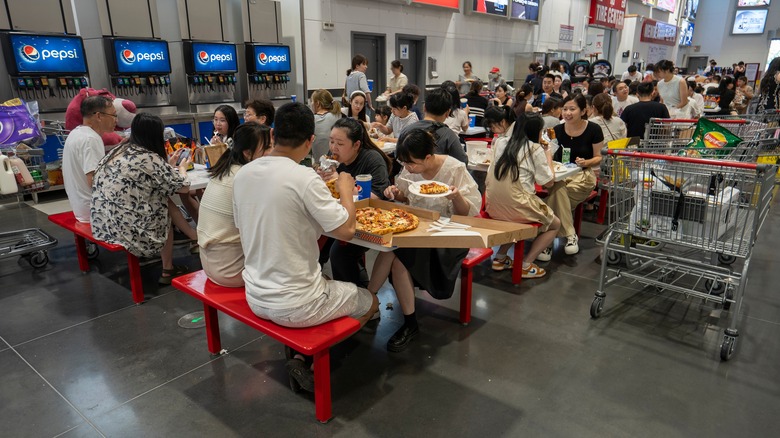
[357,154]
[432,269]
[279,228]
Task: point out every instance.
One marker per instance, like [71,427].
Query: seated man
[83,151]
[437,107]
[547,90]
[281,208]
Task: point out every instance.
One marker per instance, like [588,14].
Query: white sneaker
[546,255]
[572,246]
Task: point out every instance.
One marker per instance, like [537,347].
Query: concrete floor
[79,359]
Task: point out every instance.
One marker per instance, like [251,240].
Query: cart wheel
[596,307]
[714,288]
[39,259]
[727,347]
[614,258]
[92,251]
[726,259]
[294,385]
[729,298]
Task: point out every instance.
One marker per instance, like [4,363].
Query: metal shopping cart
[30,244]
[697,213]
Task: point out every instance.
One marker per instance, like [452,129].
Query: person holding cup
[357,155]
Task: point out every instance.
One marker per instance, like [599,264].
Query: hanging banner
[658,32]
[607,13]
[565,37]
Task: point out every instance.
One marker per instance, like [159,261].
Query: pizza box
[490,232]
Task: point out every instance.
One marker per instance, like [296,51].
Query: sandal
[169,274]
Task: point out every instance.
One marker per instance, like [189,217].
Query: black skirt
[433,269]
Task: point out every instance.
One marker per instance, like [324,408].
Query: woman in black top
[726,92]
[477,104]
[585,140]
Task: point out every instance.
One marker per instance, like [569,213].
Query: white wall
[636,12]
[451,37]
[712,31]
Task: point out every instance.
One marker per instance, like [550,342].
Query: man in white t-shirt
[281,208]
[632,74]
[83,151]
[621,99]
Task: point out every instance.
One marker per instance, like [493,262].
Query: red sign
[607,13]
[452,4]
[658,32]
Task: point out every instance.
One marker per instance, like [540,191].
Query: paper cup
[464,102]
[472,121]
[364,186]
[294,98]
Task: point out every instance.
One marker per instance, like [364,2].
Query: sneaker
[572,246]
[534,271]
[499,264]
[545,256]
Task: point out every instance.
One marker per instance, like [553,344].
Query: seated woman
[131,194]
[432,269]
[357,155]
[357,108]
[725,92]
[458,120]
[401,107]
[225,123]
[523,99]
[612,127]
[502,96]
[551,112]
[585,140]
[477,104]
[220,245]
[326,112]
[519,162]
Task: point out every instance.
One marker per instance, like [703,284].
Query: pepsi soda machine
[50,69]
[211,74]
[139,70]
[268,68]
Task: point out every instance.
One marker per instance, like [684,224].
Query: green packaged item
[713,140]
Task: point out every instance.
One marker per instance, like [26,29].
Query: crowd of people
[127,194]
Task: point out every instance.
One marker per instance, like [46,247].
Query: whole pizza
[378,221]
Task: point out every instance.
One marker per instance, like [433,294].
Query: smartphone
[184,154]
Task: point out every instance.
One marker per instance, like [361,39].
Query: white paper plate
[415,188]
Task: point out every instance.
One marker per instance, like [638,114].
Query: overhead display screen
[211,57]
[42,54]
[525,9]
[141,56]
[449,4]
[686,33]
[271,59]
[749,22]
[666,5]
[752,3]
[689,9]
[498,8]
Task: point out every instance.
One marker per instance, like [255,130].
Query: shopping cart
[31,244]
[57,129]
[690,215]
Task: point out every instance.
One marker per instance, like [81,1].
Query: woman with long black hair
[770,87]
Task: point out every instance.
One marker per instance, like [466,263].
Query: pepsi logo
[262,58]
[203,57]
[30,53]
[128,56]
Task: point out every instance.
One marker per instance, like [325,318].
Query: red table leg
[322,406]
[466,278]
[81,253]
[517,269]
[212,329]
[136,285]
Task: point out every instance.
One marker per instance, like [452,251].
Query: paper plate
[415,188]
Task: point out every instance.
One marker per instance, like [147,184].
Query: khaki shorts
[340,299]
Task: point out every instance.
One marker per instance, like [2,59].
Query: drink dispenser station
[50,69]
[268,68]
[211,74]
[139,70]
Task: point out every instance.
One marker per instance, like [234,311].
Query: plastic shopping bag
[713,140]
[18,124]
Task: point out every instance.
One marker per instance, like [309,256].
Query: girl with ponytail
[612,127]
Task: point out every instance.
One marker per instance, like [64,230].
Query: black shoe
[400,340]
[301,374]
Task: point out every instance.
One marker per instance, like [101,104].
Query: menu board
[43,54]
[449,4]
[749,22]
[497,7]
[525,9]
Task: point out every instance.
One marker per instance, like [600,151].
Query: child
[401,105]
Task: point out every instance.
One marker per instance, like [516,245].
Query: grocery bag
[713,140]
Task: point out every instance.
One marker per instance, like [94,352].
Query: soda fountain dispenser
[50,69]
[268,68]
[139,70]
[211,74]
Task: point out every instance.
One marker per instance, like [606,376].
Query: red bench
[578,211]
[83,232]
[313,341]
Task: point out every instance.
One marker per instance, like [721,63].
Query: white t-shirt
[635,77]
[620,106]
[533,169]
[281,208]
[457,120]
[81,154]
[398,124]
[613,129]
[215,214]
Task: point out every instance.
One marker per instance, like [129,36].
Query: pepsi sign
[141,56]
[213,58]
[44,54]
[270,59]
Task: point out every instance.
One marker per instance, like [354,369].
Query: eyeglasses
[107,114]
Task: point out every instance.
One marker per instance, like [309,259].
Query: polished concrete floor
[79,359]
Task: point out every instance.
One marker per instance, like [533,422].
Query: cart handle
[721,163]
[718,121]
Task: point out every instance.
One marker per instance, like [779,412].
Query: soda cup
[464,102]
[472,121]
[364,186]
[294,98]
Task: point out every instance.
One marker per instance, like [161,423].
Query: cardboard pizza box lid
[490,232]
